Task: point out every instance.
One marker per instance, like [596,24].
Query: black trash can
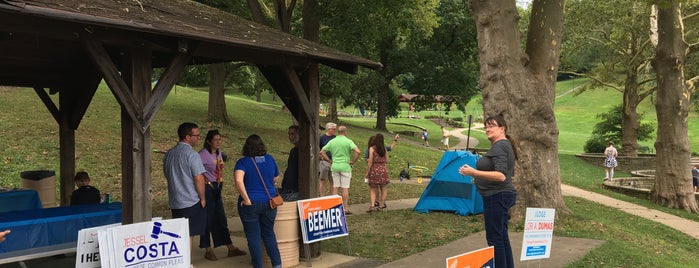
[42,181]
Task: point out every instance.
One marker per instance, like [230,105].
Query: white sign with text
[538,233]
[88,250]
[159,243]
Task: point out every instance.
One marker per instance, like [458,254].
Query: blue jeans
[258,224]
[496,215]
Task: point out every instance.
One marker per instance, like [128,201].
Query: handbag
[275,201]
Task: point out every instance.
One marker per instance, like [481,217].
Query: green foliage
[195,76]
[446,63]
[609,129]
[384,31]
[607,47]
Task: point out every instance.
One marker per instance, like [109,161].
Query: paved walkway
[688,227]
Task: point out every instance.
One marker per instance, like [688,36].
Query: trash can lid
[36,175]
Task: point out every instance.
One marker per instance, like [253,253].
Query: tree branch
[644,94]
[690,16]
[596,79]
[691,83]
[693,48]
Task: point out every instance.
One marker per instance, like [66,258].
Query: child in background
[85,194]
[425,142]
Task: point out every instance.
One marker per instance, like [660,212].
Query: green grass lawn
[31,142]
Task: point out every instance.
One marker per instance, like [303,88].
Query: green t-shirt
[341,149]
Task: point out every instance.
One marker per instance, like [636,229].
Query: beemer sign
[322,218]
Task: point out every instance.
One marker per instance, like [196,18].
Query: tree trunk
[382,92]
[382,96]
[331,113]
[522,90]
[629,117]
[673,184]
[258,93]
[217,100]
[256,11]
[284,14]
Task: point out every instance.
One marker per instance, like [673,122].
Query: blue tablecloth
[44,227]
[19,200]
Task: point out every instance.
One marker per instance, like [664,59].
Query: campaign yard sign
[159,243]
[88,249]
[480,258]
[322,218]
[538,233]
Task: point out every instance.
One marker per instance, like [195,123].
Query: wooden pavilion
[67,47]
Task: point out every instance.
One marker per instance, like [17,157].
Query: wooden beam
[308,137]
[116,83]
[48,102]
[66,136]
[297,89]
[81,93]
[165,84]
[136,139]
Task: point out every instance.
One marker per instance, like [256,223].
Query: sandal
[383,207]
[347,212]
[210,255]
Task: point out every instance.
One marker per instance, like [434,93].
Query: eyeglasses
[197,135]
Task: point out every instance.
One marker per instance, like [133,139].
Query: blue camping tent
[450,191]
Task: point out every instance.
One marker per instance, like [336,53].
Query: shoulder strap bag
[275,201]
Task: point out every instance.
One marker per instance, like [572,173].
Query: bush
[609,129]
[596,144]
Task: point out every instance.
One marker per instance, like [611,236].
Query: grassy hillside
[32,140]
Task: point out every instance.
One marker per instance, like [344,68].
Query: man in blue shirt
[324,166]
[184,173]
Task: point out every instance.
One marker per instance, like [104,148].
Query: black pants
[216,221]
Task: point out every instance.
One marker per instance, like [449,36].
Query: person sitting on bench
[85,194]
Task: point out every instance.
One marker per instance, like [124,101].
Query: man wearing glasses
[184,173]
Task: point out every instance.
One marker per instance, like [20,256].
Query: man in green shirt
[344,153]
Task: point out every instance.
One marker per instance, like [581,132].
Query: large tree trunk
[673,184]
[629,116]
[386,77]
[331,112]
[523,91]
[217,100]
[382,109]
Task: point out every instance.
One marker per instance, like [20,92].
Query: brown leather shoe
[236,252]
[210,255]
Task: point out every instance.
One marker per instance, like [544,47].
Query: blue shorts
[197,218]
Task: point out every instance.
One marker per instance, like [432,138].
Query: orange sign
[322,218]
[482,258]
